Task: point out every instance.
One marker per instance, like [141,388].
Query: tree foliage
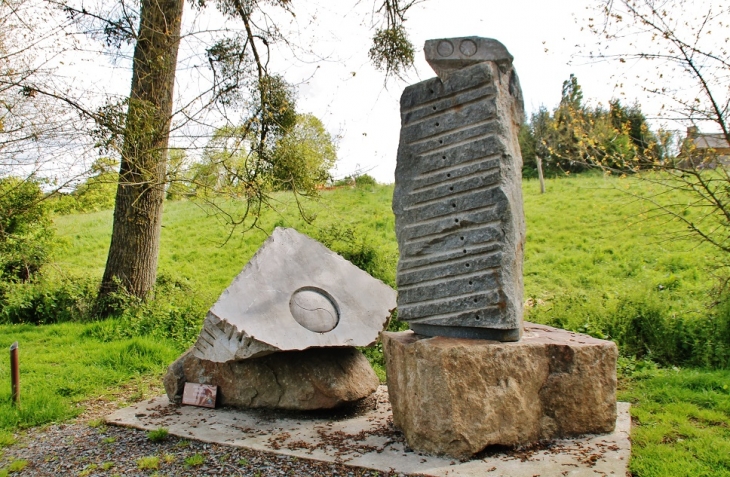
[298,159]
[304,156]
[26,235]
[95,193]
[239,94]
[575,137]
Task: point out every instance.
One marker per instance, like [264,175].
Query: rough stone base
[318,378]
[455,396]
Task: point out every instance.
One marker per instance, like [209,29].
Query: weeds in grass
[15,466]
[88,470]
[97,423]
[150,462]
[194,460]
[158,435]
[6,438]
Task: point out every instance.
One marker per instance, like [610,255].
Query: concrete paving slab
[367,439]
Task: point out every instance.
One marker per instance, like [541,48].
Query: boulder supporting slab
[453,396]
[318,378]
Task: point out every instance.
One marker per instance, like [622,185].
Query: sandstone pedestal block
[457,396]
[317,378]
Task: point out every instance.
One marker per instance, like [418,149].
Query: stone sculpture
[294,294]
[317,378]
[283,334]
[462,379]
[458,199]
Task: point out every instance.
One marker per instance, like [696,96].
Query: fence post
[539,173]
[15,373]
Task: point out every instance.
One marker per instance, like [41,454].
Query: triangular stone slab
[294,294]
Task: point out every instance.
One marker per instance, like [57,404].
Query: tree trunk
[132,261]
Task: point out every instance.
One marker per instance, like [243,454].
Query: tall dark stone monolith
[458,199]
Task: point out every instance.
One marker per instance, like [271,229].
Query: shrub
[355,248]
[26,236]
[365,180]
[45,301]
[172,311]
[644,326]
[96,193]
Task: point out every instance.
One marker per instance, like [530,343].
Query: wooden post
[15,373]
[539,173]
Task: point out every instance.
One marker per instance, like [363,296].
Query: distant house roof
[714,141]
[707,140]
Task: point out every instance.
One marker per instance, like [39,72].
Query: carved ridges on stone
[450,204]
[434,92]
[220,341]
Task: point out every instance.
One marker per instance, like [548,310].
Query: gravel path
[87,447]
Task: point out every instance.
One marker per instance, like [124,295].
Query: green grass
[60,367]
[595,262]
[194,460]
[681,422]
[194,246]
[158,435]
[150,462]
[588,237]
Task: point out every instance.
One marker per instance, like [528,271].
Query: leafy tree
[136,129]
[576,137]
[97,192]
[26,235]
[299,159]
[304,156]
[240,66]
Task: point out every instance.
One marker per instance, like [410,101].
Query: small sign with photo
[202,395]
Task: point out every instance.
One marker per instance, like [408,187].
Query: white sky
[349,96]
[541,36]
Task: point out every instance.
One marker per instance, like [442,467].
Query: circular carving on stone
[468,47]
[314,309]
[445,48]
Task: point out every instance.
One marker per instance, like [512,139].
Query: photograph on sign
[202,395]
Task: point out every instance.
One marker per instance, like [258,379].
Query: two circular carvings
[466,47]
[314,309]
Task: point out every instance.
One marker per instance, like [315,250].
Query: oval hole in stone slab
[314,309]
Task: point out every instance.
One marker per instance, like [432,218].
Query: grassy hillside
[196,245]
[594,262]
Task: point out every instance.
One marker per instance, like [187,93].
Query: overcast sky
[349,95]
[344,90]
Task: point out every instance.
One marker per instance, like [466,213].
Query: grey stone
[366,440]
[318,378]
[446,55]
[458,200]
[294,294]
[457,396]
